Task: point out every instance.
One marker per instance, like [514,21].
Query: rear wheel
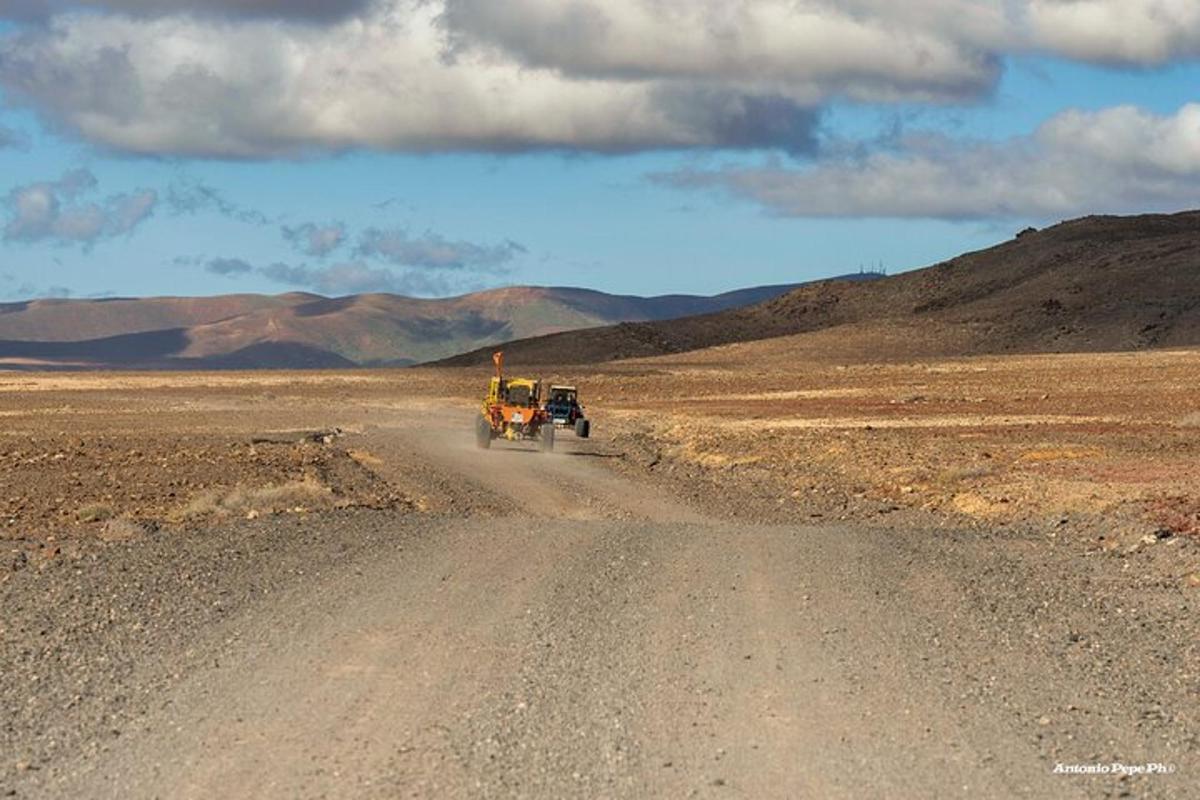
[483,433]
[583,428]
[547,438]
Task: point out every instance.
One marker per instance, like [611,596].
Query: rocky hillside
[1092,284]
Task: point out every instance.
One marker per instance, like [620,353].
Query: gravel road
[552,628]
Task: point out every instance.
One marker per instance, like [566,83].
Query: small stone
[1044,721]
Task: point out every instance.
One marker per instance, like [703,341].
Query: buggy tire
[547,438]
[583,428]
[483,433]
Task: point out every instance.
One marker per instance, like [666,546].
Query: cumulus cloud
[53,211]
[315,240]
[431,75]
[1117,160]
[277,78]
[433,251]
[182,86]
[1145,32]
[869,50]
[278,9]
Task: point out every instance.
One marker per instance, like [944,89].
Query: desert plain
[772,570]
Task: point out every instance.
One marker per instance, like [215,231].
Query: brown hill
[305,330]
[78,320]
[1093,284]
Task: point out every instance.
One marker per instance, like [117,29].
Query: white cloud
[1145,32]
[258,89]
[434,251]
[1116,160]
[51,211]
[248,79]
[804,50]
[281,9]
[315,240]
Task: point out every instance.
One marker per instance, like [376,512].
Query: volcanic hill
[1088,285]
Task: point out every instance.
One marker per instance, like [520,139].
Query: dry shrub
[287,495]
[95,512]
[279,497]
[201,505]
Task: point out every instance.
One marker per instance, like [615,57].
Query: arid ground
[813,576]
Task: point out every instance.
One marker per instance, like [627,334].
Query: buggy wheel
[483,433]
[547,438]
[583,428]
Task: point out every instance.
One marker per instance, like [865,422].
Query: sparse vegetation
[94,512]
[79,472]
[301,494]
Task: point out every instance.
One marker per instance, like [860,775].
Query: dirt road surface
[552,628]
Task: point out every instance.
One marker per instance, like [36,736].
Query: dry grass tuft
[266,499]
[95,512]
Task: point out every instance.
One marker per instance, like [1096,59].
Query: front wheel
[483,433]
[583,428]
[548,437]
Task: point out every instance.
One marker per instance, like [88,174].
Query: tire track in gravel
[568,484]
[580,634]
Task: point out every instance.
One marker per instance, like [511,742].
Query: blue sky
[104,195]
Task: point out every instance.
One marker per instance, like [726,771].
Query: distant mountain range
[1093,284]
[1097,283]
[299,330]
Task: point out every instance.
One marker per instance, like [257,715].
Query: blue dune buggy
[563,407]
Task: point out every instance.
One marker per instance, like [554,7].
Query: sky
[435,147]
